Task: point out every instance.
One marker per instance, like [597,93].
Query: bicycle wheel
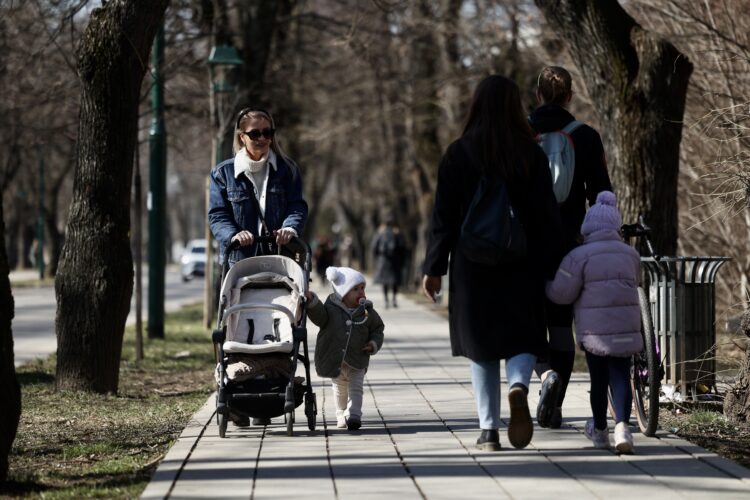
[645,377]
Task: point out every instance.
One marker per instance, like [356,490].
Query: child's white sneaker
[623,439]
[341,422]
[599,438]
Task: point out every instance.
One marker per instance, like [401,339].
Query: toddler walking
[350,332]
[600,278]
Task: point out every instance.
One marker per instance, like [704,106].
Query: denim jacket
[231,208]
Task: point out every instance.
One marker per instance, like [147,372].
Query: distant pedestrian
[350,332]
[600,279]
[389,249]
[496,310]
[588,177]
[324,256]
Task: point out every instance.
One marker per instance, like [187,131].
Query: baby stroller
[261,324]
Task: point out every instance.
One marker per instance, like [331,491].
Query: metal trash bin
[682,298]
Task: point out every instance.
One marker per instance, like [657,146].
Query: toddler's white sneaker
[623,439]
[599,438]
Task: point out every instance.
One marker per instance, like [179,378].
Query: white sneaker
[599,438]
[341,422]
[623,439]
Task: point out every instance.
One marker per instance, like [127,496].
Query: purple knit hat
[603,216]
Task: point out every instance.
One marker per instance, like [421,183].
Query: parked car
[193,260]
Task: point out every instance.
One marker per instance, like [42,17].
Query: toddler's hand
[368,348]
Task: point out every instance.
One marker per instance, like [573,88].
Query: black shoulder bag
[491,233]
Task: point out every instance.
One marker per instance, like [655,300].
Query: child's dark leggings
[609,371]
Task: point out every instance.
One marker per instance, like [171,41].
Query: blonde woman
[258,192]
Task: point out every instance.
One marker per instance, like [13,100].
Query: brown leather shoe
[520,428]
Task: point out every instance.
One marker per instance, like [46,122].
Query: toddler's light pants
[348,389]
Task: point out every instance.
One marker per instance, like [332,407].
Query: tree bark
[95,275]
[638,82]
[737,398]
[10,392]
[426,118]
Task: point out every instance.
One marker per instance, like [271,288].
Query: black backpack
[491,233]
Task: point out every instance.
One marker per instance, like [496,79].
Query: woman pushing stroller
[258,192]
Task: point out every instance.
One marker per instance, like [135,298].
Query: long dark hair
[497,129]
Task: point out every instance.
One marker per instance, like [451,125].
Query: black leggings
[561,345]
[392,287]
[609,371]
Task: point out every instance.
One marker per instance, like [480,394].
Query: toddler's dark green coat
[332,319]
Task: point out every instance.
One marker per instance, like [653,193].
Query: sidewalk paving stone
[418,441]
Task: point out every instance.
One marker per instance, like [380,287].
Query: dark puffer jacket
[333,345]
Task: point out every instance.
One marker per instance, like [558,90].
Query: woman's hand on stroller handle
[243,238]
[284,235]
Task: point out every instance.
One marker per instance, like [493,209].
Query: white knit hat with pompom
[343,279]
[603,216]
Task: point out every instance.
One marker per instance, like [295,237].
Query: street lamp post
[41,217]
[156,201]
[222,62]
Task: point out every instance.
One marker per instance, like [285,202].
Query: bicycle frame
[647,367]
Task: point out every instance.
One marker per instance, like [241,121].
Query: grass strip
[80,445]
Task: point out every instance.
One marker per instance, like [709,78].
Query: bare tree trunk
[426,116]
[95,275]
[10,393]
[257,25]
[737,398]
[638,82]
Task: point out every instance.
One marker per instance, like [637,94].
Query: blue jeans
[485,379]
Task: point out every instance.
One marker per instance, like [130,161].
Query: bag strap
[263,225]
[570,127]
[260,212]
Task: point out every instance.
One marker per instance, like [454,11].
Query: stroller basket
[247,396]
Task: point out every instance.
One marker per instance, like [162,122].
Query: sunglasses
[255,134]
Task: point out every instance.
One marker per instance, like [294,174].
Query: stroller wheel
[222,420]
[311,410]
[289,423]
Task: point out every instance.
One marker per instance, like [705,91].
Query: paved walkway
[417,441]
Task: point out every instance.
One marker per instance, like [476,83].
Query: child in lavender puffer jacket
[600,278]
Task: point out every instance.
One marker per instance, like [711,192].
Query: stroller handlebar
[296,241]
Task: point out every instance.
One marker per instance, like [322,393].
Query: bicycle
[647,369]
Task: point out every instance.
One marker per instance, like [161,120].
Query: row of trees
[366,94]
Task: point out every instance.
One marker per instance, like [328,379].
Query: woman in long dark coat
[496,312]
